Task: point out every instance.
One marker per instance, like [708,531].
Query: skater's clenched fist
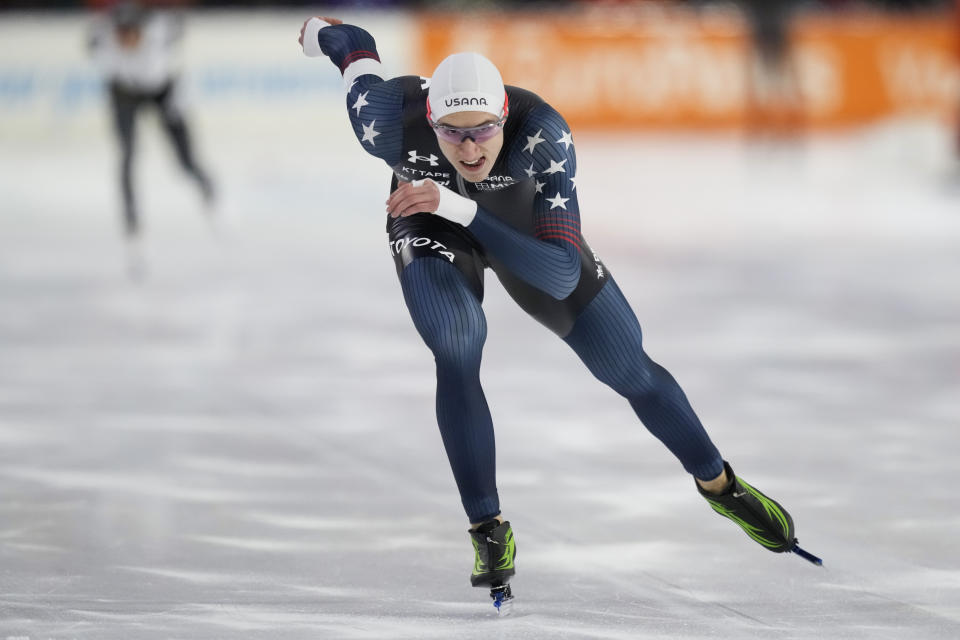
[308,34]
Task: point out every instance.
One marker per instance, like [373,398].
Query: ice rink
[243,445]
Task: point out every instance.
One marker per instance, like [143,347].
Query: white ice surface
[243,444]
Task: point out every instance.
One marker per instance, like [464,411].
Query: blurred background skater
[135,48]
[774,102]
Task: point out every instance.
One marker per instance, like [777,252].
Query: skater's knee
[452,331]
[636,378]
[457,349]
[445,312]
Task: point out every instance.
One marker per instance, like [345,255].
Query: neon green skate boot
[493,566]
[763,519]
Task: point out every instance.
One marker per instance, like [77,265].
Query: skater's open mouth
[474,165]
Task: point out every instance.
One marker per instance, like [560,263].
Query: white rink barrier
[239,68]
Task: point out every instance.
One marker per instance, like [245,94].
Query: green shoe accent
[494,551]
[752,531]
[510,550]
[769,506]
[478,567]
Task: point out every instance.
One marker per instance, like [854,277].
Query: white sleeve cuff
[361,67]
[453,206]
[311,41]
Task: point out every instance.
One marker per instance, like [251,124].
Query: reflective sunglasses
[478,134]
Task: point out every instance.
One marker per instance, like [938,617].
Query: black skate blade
[809,557]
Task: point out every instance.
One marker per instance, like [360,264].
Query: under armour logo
[432,159]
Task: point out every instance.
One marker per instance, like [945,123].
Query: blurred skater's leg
[125,106]
[175,125]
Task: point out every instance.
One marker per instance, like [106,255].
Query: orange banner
[687,70]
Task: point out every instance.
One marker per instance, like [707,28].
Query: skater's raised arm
[354,51]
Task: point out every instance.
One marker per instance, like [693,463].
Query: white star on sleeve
[530,172]
[352,84]
[573,179]
[556,167]
[539,186]
[361,102]
[557,201]
[566,140]
[533,141]
[369,134]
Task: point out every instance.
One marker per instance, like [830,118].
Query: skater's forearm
[552,268]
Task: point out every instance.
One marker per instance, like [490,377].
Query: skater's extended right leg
[607,337]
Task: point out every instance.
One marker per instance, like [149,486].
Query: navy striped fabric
[448,315]
[608,339]
[380,130]
[553,268]
[346,43]
[545,148]
[376,115]
[549,260]
[451,322]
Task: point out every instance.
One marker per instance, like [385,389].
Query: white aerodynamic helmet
[465,82]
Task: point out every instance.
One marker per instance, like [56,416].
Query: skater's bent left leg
[449,318]
[607,337]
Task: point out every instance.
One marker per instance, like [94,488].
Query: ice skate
[762,519]
[493,566]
